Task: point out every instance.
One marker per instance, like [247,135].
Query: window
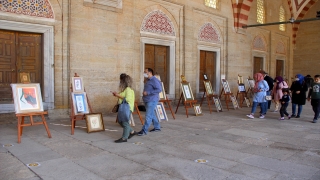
[260,11]
[211,3]
[282,18]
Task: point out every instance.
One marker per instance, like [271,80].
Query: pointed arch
[209,33]
[259,43]
[36,8]
[241,10]
[158,22]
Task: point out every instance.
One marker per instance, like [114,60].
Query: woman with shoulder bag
[126,97]
[277,91]
[298,91]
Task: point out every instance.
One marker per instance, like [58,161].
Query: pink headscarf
[258,77]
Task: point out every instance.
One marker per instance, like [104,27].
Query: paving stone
[309,158]
[38,156]
[316,176]
[149,174]
[269,152]
[252,171]
[26,146]
[246,133]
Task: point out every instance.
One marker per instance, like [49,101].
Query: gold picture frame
[77,84]
[187,92]
[208,87]
[197,109]
[162,94]
[27,97]
[80,103]
[24,77]
[94,122]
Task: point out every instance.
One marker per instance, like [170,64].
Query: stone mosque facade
[100,39]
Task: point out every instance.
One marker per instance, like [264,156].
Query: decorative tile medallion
[38,8]
[259,44]
[158,22]
[138,143]
[281,49]
[35,164]
[209,33]
[201,161]
[7,145]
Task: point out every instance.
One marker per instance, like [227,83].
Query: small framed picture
[161,112]
[240,79]
[162,94]
[25,77]
[205,77]
[225,86]
[251,83]
[217,103]
[241,88]
[94,122]
[234,102]
[27,97]
[80,103]
[187,92]
[77,84]
[197,109]
[247,101]
[208,87]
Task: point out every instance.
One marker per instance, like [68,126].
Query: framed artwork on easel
[80,103]
[77,84]
[187,92]
[162,94]
[251,83]
[208,87]
[225,86]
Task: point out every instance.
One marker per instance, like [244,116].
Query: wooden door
[156,59]
[257,64]
[19,52]
[8,68]
[280,68]
[208,67]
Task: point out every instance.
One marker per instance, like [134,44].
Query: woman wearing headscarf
[259,96]
[298,90]
[277,91]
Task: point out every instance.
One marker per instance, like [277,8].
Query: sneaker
[289,117]
[293,115]
[314,121]
[275,111]
[261,116]
[120,140]
[250,116]
[297,116]
[155,130]
[282,118]
[141,133]
[131,135]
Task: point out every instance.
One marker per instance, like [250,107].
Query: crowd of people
[266,89]
[301,89]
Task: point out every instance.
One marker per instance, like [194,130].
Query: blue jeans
[150,116]
[263,106]
[294,109]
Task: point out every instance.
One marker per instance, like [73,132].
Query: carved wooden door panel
[280,68]
[257,64]
[7,64]
[19,52]
[208,67]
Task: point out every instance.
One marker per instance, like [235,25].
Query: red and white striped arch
[241,10]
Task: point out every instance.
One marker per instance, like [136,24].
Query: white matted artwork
[197,109]
[225,86]
[217,103]
[234,102]
[187,92]
[208,87]
[251,83]
[241,88]
[160,112]
[27,97]
[80,103]
[77,84]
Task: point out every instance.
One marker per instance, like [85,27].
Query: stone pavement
[234,146]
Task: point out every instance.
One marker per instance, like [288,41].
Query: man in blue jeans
[150,97]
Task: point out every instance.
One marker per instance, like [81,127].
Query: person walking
[314,94]
[277,91]
[284,101]
[298,90]
[126,92]
[152,88]
[270,84]
[259,96]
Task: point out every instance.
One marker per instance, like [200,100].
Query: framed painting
[241,88]
[187,92]
[77,84]
[217,103]
[251,83]
[240,79]
[24,77]
[208,87]
[94,122]
[234,102]
[80,103]
[225,86]
[162,94]
[247,101]
[27,97]
[197,109]
[161,112]
[205,77]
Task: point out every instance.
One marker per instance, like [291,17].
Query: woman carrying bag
[126,105]
[298,91]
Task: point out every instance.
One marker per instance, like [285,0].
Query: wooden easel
[187,103]
[21,117]
[250,90]
[225,91]
[77,117]
[240,92]
[167,102]
[209,97]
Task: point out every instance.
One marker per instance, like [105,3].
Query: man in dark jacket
[270,83]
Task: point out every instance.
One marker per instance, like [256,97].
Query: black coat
[300,98]
[269,81]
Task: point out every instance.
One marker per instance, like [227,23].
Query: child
[314,93]
[284,103]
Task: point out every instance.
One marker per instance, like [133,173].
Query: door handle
[13,70]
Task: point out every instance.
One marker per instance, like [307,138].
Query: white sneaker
[261,116]
[250,116]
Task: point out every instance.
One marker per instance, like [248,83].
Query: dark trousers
[283,109]
[315,103]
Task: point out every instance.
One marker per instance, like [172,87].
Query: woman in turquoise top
[125,92]
[259,96]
